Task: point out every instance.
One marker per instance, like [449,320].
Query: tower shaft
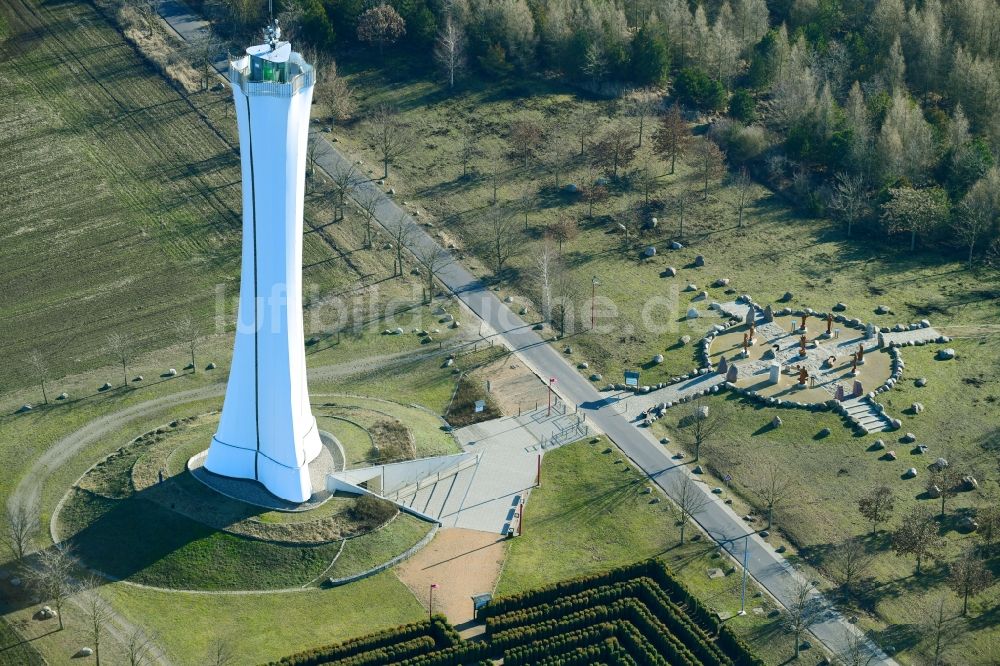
[267,431]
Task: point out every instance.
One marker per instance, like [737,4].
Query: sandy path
[462,563]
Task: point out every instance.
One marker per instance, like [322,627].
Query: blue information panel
[631,378]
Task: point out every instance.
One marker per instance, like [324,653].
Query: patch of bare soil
[462,563]
[513,387]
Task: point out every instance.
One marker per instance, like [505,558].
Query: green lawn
[590,515]
[264,627]
[13,651]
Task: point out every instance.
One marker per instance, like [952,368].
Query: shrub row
[455,655]
[586,655]
[592,606]
[635,643]
[391,653]
[737,648]
[591,598]
[679,623]
[437,631]
[535,652]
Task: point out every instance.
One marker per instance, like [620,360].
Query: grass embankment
[590,515]
[123,522]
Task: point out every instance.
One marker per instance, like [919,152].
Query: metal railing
[239,75]
[414,488]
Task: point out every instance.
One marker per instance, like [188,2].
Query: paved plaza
[487,496]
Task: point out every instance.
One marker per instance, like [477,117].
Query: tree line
[884,114]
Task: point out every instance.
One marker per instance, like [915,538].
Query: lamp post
[593,298]
[552,380]
[430,607]
[743,588]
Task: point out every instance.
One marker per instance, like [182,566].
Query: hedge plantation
[637,614]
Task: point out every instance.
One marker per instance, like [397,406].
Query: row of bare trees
[55,575]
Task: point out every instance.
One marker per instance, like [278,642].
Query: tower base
[289,483]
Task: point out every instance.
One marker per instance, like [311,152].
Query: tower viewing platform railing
[303,77]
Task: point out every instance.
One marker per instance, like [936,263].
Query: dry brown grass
[160,48]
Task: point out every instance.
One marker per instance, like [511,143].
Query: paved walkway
[769,568]
[510,450]
[928,334]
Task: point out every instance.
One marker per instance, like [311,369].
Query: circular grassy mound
[123,522]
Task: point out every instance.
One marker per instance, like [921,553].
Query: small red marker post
[538,474]
[520,519]
[430,607]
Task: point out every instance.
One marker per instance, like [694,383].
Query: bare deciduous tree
[968,576]
[876,505]
[138,647]
[850,200]
[687,497]
[431,259]
[945,481]
[221,654]
[803,611]
[681,200]
[615,150]
[120,346]
[401,233]
[700,425]
[562,230]
[316,149]
[848,563]
[941,627]
[856,651]
[672,138]
[709,162]
[388,136]
[495,164]
[468,150]
[368,200]
[556,158]
[546,266]
[41,370]
[97,614]
[203,50]
[773,486]
[449,50]
[331,90]
[345,180]
[649,179]
[525,136]
[744,187]
[566,293]
[500,236]
[583,123]
[643,106]
[21,523]
[51,577]
[188,333]
[917,536]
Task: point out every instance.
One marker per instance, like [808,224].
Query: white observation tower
[267,431]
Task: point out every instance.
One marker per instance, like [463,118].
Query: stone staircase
[864,415]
